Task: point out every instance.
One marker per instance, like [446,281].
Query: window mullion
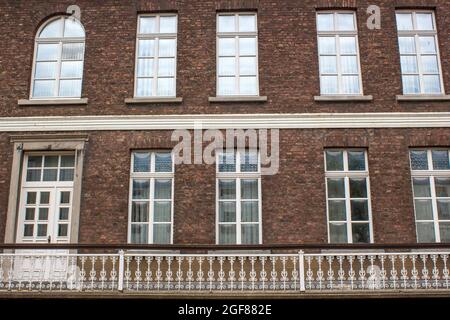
[58,71]
[151,203]
[338,64]
[238,211]
[155,68]
[435,210]
[237,66]
[348,209]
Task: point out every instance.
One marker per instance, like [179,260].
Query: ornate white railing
[228,272]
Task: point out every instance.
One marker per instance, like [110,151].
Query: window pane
[43,214]
[139,212]
[408,64]
[45,70]
[247,46]
[442,187]
[162,211]
[247,66]
[440,160]
[68,161]
[71,69]
[28,230]
[356,160]
[227,23]
[227,211]
[166,87]
[337,210]
[62,230]
[52,30]
[139,233]
[349,64]
[73,51]
[51,161]
[348,45]
[249,234]
[424,21]
[33,175]
[63,213]
[42,230]
[144,87]
[168,24]
[360,232]
[227,46]
[227,162]
[163,189]
[425,232]
[350,84]
[249,211]
[73,28]
[346,22]
[146,48]
[227,66]
[227,189]
[328,64]
[430,64]
[147,25]
[50,175]
[70,88]
[34,161]
[161,233]
[248,86]
[249,189]
[145,68]
[338,233]
[167,47]
[327,45]
[31,197]
[431,84]
[249,161]
[444,229]
[247,23]
[163,162]
[407,45]
[44,88]
[66,175]
[45,198]
[443,209]
[336,188]
[335,160]
[410,84]
[358,188]
[227,234]
[141,189]
[421,187]
[29,214]
[166,67]
[325,22]
[328,85]
[424,209]
[404,21]
[64,197]
[419,160]
[360,210]
[47,51]
[427,45]
[227,86]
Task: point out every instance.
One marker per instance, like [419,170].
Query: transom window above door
[48,168]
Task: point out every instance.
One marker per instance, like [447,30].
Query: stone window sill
[238,99]
[154,100]
[342,98]
[424,97]
[51,102]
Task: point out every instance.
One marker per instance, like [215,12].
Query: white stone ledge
[51,102]
[342,98]
[424,97]
[153,100]
[238,99]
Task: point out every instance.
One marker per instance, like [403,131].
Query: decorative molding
[342,98]
[224,121]
[153,100]
[423,97]
[238,99]
[51,102]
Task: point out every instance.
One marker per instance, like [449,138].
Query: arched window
[58,62]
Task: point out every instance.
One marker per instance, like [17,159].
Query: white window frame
[417,34]
[151,176]
[236,35]
[431,174]
[238,175]
[60,41]
[337,34]
[156,37]
[346,174]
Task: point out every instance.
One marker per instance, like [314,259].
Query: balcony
[56,270]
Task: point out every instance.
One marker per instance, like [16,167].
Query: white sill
[238,99]
[51,102]
[343,98]
[423,97]
[154,100]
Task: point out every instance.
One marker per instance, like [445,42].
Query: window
[348,196]
[46,198]
[238,198]
[419,52]
[59,57]
[151,198]
[430,171]
[156,56]
[338,53]
[237,59]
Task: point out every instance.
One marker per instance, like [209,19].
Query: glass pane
[43,214]
[62,230]
[64,197]
[360,210]
[336,188]
[424,21]
[442,187]
[427,45]
[146,48]
[410,84]
[73,51]
[166,87]
[161,233]
[350,84]
[431,84]
[419,160]
[249,189]
[144,87]
[444,229]
[360,232]
[338,233]
[424,209]
[421,187]
[227,211]
[346,22]
[50,175]
[227,23]
[42,230]
[404,21]
[45,198]
[249,211]
[356,160]
[51,161]
[163,162]
[247,46]
[139,212]
[166,67]
[52,30]
[247,23]
[425,232]
[408,64]
[70,88]
[443,209]
[141,189]
[349,64]
[227,189]
[163,189]
[328,85]
[163,211]
[440,160]
[335,160]
[167,48]
[147,24]
[227,234]
[227,46]
[47,51]
[407,45]
[139,233]
[44,88]
[33,175]
[45,70]
[73,28]
[358,188]
[141,162]
[34,161]
[336,210]
[68,161]
[328,64]
[227,86]
[168,24]
[227,162]
[430,64]
[227,66]
[145,68]
[247,66]
[31,197]
[66,175]
[347,45]
[29,214]
[248,86]
[325,22]
[71,69]
[327,45]
[249,161]
[250,234]
[63,213]
[28,230]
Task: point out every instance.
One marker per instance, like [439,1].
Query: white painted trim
[222,121]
